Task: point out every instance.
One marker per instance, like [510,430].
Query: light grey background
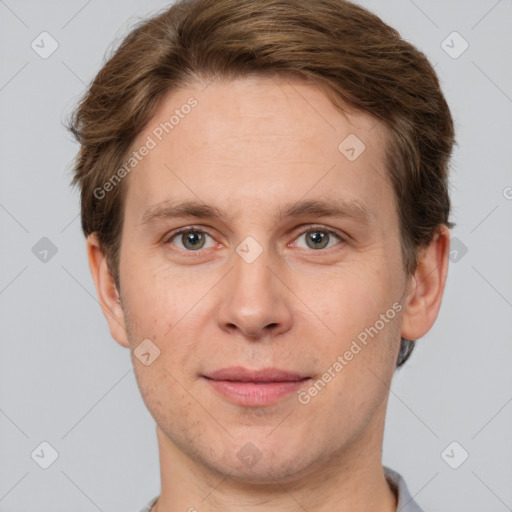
[63,380]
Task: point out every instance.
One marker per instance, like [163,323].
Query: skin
[250,147]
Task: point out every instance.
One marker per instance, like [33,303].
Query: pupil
[318,237]
[192,238]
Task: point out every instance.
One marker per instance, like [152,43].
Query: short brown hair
[351,53]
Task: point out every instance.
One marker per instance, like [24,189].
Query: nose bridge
[252,280]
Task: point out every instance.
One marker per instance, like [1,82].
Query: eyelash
[168,239]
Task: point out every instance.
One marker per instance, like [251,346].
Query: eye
[318,237]
[191,239]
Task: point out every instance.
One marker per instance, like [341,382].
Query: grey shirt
[397,483]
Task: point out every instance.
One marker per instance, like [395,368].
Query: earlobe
[108,295]
[426,286]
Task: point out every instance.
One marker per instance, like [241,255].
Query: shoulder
[149,505]
[405,501]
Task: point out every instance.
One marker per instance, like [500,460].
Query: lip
[241,374]
[255,388]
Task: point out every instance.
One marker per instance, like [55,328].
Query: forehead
[266,139]
[267,109]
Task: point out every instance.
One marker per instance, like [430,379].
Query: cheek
[351,301]
[158,298]
[165,398]
[166,310]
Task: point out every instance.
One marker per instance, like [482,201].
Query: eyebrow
[334,208]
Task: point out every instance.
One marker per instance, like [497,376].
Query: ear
[426,286]
[108,295]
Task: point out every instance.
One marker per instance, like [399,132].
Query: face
[292,261]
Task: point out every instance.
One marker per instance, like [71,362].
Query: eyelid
[310,227]
[178,231]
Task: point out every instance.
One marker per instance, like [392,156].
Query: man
[264,195]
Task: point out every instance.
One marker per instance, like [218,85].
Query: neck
[352,480]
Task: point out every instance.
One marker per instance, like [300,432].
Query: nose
[254,301]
